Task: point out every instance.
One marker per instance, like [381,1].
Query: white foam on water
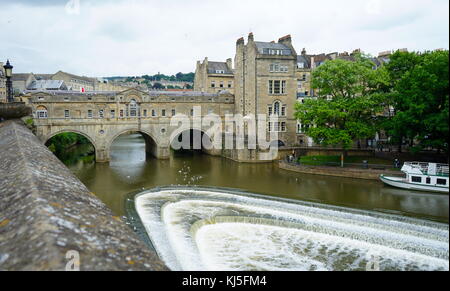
[241,247]
[168,215]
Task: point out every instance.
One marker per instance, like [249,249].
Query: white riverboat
[428,177]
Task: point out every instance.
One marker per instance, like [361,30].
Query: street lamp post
[8,72]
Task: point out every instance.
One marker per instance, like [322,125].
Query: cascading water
[211,229]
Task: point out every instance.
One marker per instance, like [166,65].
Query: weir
[47,214]
[216,229]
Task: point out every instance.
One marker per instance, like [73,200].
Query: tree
[347,105]
[420,98]
[158,86]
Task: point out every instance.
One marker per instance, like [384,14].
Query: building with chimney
[214,77]
[266,83]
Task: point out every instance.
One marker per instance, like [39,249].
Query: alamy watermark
[73,7]
[73,261]
[235,132]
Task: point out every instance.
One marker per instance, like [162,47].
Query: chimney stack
[250,37]
[287,40]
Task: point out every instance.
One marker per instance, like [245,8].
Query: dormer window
[301,65]
[275,52]
[220,72]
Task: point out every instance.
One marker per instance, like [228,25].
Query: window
[213,84]
[113,114]
[301,65]
[40,98]
[121,113]
[221,84]
[89,114]
[416,179]
[304,77]
[275,52]
[101,113]
[163,112]
[66,113]
[145,112]
[89,98]
[277,87]
[192,112]
[153,112]
[230,84]
[133,108]
[276,126]
[66,98]
[428,180]
[283,111]
[220,72]
[277,68]
[299,84]
[442,182]
[174,112]
[283,126]
[270,110]
[41,113]
[276,110]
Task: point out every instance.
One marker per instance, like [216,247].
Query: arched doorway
[71,147]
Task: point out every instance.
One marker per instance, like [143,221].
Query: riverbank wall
[366,174]
[50,221]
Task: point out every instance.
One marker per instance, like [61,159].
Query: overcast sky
[136,37]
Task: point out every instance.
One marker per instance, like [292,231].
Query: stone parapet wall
[45,212]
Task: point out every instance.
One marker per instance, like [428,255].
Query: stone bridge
[101,117]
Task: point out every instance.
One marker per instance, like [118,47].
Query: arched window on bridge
[41,112]
[133,108]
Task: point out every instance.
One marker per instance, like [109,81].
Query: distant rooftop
[265,47]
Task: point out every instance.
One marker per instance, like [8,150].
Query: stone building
[74,82]
[266,83]
[21,82]
[214,77]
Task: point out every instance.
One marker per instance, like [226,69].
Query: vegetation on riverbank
[71,147]
[407,99]
[317,160]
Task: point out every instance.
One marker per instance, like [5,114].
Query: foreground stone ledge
[45,211]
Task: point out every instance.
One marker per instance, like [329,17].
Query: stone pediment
[132,93]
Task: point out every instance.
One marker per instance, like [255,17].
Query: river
[130,171]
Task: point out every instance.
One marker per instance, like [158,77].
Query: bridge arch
[53,134]
[87,136]
[151,143]
[204,137]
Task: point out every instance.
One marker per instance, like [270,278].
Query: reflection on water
[129,171]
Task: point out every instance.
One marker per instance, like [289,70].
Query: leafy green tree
[158,86]
[420,98]
[348,101]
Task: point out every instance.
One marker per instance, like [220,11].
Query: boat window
[441,182]
[416,179]
[428,180]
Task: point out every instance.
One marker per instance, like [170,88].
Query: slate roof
[213,67]
[78,77]
[264,47]
[47,85]
[304,59]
